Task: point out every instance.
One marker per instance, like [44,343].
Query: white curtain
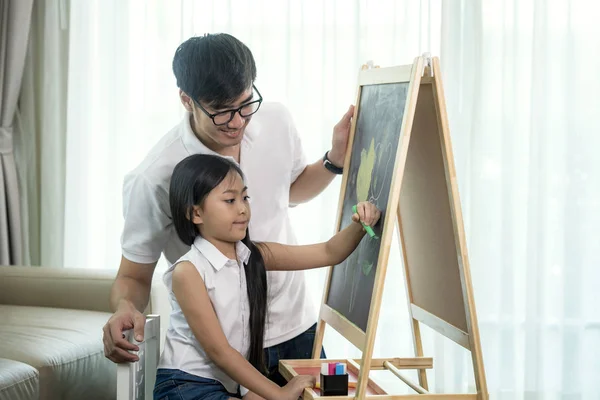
[522,91]
[122,95]
[521,87]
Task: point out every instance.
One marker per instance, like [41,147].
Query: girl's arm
[191,294]
[286,257]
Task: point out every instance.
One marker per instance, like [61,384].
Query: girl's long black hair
[192,180]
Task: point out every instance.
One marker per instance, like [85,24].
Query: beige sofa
[51,323]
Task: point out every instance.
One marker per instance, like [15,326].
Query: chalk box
[334,385]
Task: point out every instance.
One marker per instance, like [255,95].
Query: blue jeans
[173,384]
[296,348]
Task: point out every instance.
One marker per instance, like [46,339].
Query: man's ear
[185,100]
[197,215]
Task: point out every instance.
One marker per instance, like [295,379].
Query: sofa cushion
[64,345]
[18,381]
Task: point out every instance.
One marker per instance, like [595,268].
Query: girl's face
[225,214]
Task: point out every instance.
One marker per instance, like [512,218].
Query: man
[215,75]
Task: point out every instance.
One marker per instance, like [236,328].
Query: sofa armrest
[73,288]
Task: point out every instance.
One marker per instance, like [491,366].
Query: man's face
[217,137]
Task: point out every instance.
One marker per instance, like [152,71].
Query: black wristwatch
[330,167]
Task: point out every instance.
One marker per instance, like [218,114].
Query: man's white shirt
[271,158]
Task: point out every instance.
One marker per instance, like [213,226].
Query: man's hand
[129,294]
[339,142]
[115,345]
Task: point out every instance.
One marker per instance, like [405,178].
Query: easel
[424,198]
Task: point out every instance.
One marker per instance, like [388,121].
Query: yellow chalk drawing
[363,178]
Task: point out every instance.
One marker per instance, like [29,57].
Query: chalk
[367,228]
[339,369]
[331,368]
[325,368]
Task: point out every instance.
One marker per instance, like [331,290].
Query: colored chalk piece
[339,369]
[331,369]
[367,228]
[325,368]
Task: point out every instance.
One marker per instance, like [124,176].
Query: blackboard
[373,154]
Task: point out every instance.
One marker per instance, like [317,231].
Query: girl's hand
[296,386]
[367,213]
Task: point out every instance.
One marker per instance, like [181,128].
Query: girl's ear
[196,215]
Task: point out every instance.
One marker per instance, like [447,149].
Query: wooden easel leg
[416,330]
[474,341]
[318,343]
[419,351]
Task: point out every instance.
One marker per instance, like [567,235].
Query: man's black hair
[215,68]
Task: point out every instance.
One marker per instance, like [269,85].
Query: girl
[218,290]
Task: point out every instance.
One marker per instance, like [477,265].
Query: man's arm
[132,285]
[128,299]
[315,177]
[145,233]
[311,182]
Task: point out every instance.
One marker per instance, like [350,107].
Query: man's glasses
[225,117]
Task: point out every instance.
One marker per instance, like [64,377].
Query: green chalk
[367,228]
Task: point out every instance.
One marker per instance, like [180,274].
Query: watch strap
[330,167]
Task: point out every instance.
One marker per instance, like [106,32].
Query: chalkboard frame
[364,340]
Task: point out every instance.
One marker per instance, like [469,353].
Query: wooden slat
[451,332]
[403,363]
[346,328]
[376,363]
[414,324]
[377,76]
[286,369]
[405,379]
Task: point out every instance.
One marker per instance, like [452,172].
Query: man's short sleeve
[299,162]
[147,220]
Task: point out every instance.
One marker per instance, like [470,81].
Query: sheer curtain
[520,84]
[122,96]
[522,92]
